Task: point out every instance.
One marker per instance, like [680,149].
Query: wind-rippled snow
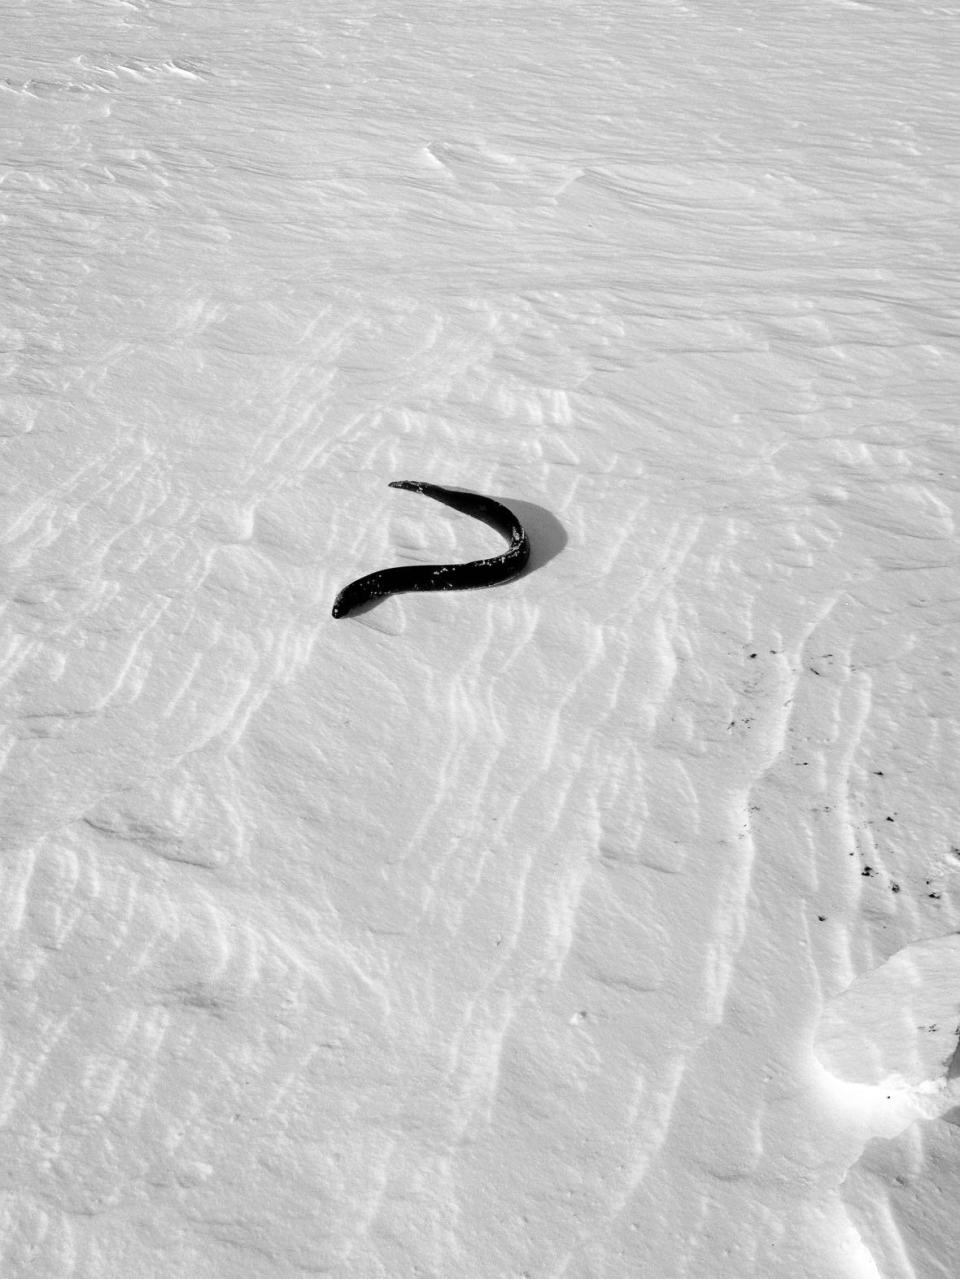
[598,925]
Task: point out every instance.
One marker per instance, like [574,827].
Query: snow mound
[897,1025]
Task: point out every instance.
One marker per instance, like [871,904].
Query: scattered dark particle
[894,888]
[753,654]
[955,850]
[889,819]
[813,670]
[878,772]
[821,918]
[935,896]
[867,871]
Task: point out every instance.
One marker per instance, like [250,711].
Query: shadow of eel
[446,577]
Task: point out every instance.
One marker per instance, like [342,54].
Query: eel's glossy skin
[446,577]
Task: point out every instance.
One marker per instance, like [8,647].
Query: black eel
[446,577]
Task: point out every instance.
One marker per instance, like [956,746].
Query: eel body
[446,577]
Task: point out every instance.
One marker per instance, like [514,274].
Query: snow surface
[602,924]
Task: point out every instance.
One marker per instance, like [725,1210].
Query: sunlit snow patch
[897,1026]
[902,1195]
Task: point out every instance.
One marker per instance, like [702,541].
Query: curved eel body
[446,577]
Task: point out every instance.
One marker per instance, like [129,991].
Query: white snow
[591,926]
